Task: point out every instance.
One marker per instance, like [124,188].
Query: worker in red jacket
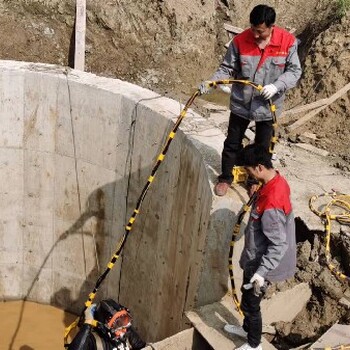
[266,55]
[269,253]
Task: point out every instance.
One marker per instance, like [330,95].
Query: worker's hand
[268,91]
[258,279]
[89,313]
[204,87]
[225,88]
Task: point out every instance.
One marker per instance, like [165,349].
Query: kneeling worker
[107,326]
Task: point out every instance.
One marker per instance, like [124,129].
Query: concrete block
[337,335]
[284,306]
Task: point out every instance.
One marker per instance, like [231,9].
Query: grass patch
[342,7]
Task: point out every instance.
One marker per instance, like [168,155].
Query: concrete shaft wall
[75,152]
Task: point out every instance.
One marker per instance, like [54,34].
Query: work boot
[246,346]
[235,330]
[221,188]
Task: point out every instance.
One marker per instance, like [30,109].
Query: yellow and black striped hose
[236,230]
[132,219]
[338,201]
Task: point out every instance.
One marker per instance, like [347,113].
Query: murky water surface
[31,326]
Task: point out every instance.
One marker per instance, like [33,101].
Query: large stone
[284,306]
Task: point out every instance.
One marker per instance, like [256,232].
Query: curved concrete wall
[75,153]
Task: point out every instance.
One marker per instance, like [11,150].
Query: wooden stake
[80,29]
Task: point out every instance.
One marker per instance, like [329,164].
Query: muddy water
[31,326]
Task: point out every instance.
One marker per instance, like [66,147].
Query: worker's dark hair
[253,155]
[262,14]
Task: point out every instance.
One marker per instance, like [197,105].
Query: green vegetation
[342,7]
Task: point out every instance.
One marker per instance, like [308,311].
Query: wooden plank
[232,29]
[303,108]
[311,114]
[305,119]
[80,29]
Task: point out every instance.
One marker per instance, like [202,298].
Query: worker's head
[262,19]
[114,317]
[256,160]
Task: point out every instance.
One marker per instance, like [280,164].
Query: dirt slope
[170,46]
[326,71]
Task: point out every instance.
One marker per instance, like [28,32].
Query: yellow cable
[337,201]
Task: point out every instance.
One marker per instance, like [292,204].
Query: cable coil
[338,201]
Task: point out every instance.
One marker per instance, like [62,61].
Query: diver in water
[107,326]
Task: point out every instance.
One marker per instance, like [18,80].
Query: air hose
[142,196]
[338,201]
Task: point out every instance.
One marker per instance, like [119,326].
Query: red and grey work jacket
[270,243]
[277,64]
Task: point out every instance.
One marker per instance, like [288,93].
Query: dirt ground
[170,46]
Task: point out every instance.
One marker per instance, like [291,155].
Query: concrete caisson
[75,153]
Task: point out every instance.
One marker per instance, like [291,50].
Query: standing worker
[107,326]
[266,55]
[269,253]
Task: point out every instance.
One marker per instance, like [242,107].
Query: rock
[304,253]
[329,284]
[284,306]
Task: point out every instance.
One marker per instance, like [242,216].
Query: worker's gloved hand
[225,88]
[268,91]
[204,87]
[89,313]
[258,279]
